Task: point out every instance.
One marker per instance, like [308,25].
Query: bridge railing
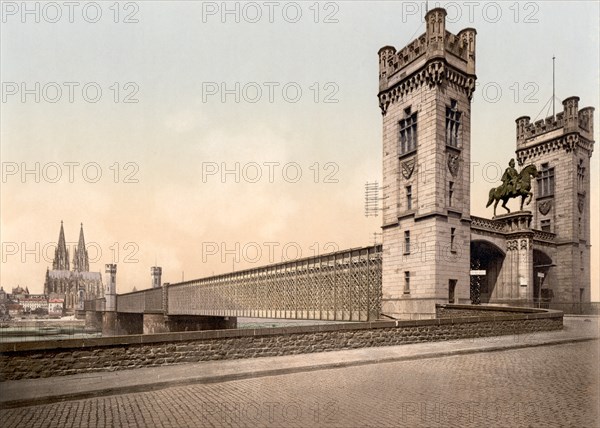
[345,286]
[143,301]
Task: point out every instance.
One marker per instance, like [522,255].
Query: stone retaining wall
[57,358]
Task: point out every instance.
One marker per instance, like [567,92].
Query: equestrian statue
[514,184]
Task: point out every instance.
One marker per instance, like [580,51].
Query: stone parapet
[58,358]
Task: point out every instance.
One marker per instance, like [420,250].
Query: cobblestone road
[533,387]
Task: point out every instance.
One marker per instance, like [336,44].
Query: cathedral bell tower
[61,254]
[425,92]
[80,259]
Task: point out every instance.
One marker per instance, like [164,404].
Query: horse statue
[521,187]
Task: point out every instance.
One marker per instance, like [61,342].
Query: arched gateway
[487,260]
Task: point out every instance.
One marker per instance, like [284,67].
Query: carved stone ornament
[581,202]
[512,244]
[407,168]
[453,164]
[544,207]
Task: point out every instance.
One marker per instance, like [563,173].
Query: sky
[206,137]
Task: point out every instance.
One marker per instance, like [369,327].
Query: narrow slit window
[453,117]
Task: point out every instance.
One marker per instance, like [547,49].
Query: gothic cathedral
[77,285]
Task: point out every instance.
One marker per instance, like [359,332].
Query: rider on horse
[514,184]
[510,180]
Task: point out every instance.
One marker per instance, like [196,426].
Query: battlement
[571,119]
[436,42]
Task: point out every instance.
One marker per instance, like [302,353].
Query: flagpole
[553,85]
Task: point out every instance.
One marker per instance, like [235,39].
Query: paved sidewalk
[40,391]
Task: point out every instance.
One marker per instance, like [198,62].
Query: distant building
[14,309]
[73,286]
[34,301]
[19,292]
[21,296]
[56,307]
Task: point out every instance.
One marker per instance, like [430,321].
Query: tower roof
[61,237]
[80,258]
[81,243]
[61,255]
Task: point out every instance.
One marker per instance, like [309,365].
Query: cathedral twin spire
[61,255]
[80,259]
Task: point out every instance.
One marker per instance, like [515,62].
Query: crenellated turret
[570,121]
[468,37]
[386,60]
[522,126]
[436,31]
[432,58]
[586,122]
[571,115]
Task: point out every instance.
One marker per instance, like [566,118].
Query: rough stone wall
[457,313]
[47,359]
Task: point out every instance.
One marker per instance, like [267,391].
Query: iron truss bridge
[341,286]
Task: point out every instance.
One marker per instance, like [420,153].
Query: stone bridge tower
[156,272]
[425,94]
[110,293]
[561,147]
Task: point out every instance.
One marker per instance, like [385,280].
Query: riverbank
[27,330]
[69,321]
